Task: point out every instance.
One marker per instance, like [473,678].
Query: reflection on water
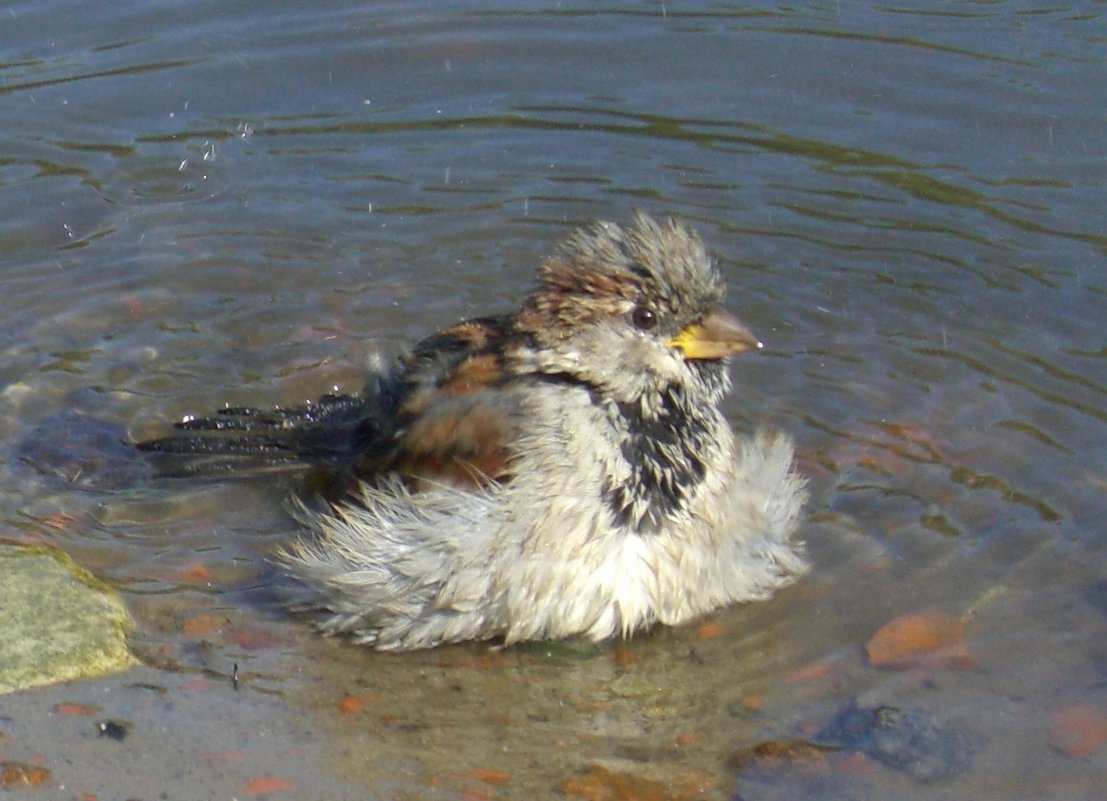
[205,205]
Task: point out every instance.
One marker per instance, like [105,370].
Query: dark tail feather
[190,456]
[246,441]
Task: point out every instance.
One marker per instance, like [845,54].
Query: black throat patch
[665,451]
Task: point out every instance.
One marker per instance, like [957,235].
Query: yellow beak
[716,336]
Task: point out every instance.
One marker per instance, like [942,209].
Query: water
[205,203]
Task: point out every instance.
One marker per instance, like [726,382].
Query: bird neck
[666,441]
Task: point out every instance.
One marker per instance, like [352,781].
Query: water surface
[206,203]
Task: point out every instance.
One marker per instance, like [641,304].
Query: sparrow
[562,470]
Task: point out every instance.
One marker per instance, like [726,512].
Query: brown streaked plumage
[562,470]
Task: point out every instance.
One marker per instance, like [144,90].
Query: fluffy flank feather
[397,568]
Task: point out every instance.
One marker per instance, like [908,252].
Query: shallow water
[205,204]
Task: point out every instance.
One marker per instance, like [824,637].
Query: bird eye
[643,317]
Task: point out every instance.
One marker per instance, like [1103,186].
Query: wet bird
[561,470]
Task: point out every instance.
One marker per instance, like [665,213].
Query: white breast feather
[540,557]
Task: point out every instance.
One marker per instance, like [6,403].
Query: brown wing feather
[454,420]
[459,439]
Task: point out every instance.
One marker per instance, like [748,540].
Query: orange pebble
[194,574]
[923,639]
[1077,731]
[709,631]
[64,708]
[624,657]
[490,776]
[350,704]
[199,626]
[266,784]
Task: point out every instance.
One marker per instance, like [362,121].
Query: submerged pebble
[82,451]
[907,741]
